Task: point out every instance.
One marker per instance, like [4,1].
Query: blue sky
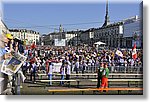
[44,17]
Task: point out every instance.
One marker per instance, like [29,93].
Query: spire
[106,16]
[60,28]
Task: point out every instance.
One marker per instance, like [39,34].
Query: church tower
[107,21]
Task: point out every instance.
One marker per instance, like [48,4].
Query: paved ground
[39,89]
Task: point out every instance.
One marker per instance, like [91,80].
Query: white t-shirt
[50,69]
[33,67]
[77,65]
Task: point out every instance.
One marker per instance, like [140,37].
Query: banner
[60,42]
[12,65]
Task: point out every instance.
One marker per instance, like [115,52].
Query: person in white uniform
[50,71]
[68,71]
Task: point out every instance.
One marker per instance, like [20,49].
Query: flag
[119,53]
[134,54]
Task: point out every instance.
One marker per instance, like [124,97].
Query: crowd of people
[80,57]
[73,59]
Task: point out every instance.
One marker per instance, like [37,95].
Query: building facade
[87,36]
[29,36]
[110,34]
[122,34]
[50,38]
[132,31]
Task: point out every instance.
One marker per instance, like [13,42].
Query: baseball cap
[9,36]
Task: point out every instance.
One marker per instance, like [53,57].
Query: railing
[114,69]
[128,69]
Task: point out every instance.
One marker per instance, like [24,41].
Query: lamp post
[118,40]
[136,36]
[77,39]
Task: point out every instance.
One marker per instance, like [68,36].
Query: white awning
[100,43]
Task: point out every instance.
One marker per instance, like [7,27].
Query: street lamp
[136,37]
[118,41]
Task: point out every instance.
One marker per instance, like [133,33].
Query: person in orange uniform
[105,74]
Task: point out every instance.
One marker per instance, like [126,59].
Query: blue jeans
[62,78]
[50,78]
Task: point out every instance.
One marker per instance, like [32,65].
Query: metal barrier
[128,69]
[115,69]
[112,69]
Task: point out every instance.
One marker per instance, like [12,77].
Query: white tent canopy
[99,43]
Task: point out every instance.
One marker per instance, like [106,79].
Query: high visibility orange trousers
[104,83]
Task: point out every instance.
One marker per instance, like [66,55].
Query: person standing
[33,71]
[62,72]
[99,74]
[47,64]
[68,71]
[25,67]
[84,66]
[105,74]
[50,71]
[77,64]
